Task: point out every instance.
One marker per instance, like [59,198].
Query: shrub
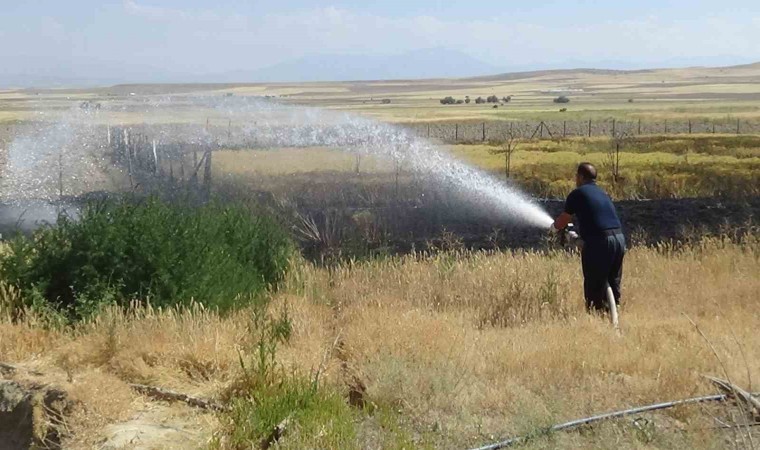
[492,99]
[561,99]
[507,99]
[479,100]
[448,101]
[460,101]
[467,99]
[386,101]
[121,250]
[268,395]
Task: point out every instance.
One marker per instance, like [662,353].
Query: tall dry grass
[456,349]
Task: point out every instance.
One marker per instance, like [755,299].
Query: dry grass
[454,349]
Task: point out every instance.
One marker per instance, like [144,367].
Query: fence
[504,130]
[149,161]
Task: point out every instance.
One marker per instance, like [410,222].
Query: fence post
[207,171]
[613,127]
[689,126]
[456,131]
[589,127]
[666,126]
[737,126]
[484,131]
[564,128]
[639,126]
[109,134]
[155,158]
[428,131]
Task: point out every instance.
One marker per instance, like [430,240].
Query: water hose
[612,415]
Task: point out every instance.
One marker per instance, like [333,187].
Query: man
[603,240]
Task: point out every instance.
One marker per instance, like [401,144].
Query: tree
[448,101]
[618,141]
[561,99]
[479,100]
[467,99]
[492,99]
[507,99]
[508,148]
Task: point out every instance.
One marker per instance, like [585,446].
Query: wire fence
[553,129]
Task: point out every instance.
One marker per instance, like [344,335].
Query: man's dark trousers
[602,261]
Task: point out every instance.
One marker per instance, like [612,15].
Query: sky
[170,39]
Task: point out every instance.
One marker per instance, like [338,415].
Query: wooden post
[639,126]
[713,128]
[109,134]
[541,133]
[207,171]
[60,174]
[195,165]
[484,131]
[155,158]
[564,128]
[229,132]
[613,127]
[689,126]
[129,158]
[428,131]
[737,126]
[456,131]
[589,127]
[182,167]
[666,126]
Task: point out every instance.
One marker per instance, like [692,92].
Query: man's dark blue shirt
[593,210]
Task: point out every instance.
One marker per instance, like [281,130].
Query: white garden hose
[613,308]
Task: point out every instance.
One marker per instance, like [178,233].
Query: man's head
[586,174]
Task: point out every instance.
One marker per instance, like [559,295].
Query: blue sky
[140,37]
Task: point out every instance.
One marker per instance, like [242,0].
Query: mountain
[428,63]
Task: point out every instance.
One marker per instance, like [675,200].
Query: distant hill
[419,64]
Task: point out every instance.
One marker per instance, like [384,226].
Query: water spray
[65,157]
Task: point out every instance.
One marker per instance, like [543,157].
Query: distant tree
[630,100]
[479,100]
[507,99]
[460,101]
[492,99]
[448,101]
[495,106]
[386,101]
[561,99]
[467,99]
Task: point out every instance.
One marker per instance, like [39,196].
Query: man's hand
[561,222]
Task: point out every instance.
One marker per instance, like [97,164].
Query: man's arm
[567,215]
[561,222]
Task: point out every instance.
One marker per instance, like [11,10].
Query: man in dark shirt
[603,240]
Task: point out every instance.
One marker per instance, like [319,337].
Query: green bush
[268,396]
[122,250]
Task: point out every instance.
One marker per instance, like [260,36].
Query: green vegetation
[269,400]
[124,250]
[644,167]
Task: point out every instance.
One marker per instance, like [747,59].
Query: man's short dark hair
[587,171]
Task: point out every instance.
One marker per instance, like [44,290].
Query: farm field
[231,286]
[448,350]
